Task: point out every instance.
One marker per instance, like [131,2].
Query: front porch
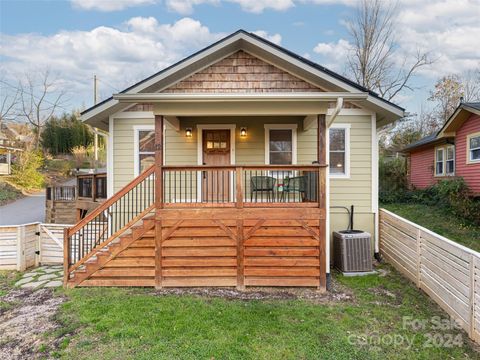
[210,225]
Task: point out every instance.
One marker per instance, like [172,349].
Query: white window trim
[347,128]
[136,150]
[293,128]
[469,150]
[442,148]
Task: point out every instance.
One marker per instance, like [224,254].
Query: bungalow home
[230,168]
[453,151]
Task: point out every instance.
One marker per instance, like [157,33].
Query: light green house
[245,102]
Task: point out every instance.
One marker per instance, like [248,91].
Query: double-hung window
[339,151]
[473,148]
[144,149]
[445,160]
[450,160]
[439,159]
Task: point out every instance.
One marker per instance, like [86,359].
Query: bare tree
[471,85]
[373,54]
[40,98]
[9,100]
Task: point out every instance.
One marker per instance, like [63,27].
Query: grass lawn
[439,221]
[112,323]
[8,193]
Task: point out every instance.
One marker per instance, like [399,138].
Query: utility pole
[95,131]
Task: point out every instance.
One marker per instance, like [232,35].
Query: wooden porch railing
[252,185]
[109,220]
[262,186]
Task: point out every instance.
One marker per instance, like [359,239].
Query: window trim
[347,128]
[444,149]
[292,127]
[136,150]
[469,150]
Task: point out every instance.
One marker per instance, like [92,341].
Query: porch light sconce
[243,132]
[188,132]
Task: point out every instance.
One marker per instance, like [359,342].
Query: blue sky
[124,41]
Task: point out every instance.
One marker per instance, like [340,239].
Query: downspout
[335,112]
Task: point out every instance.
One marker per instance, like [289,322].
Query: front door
[216,152]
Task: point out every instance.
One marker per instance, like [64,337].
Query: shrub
[393,179]
[25,171]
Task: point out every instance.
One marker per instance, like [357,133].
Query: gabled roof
[249,42]
[461,113]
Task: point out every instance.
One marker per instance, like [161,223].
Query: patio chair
[294,185]
[262,184]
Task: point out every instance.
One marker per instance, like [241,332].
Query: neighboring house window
[280,144]
[339,151]
[144,149]
[450,160]
[445,160]
[473,147]
[439,159]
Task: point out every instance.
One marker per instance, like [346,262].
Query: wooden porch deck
[166,231]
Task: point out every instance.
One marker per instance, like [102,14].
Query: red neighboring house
[454,151]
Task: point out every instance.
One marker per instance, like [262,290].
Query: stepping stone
[33,285]
[47,277]
[55,283]
[51,270]
[30,274]
[24,281]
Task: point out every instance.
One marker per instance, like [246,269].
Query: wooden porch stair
[82,276]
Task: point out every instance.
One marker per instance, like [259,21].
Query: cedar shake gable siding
[241,73]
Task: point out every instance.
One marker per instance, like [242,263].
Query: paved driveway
[26,210]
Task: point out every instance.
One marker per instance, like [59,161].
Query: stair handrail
[110,201]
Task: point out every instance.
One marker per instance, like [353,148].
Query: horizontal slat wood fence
[27,245]
[448,272]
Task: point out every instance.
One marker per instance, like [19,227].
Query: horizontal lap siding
[421,168]
[357,190]
[470,172]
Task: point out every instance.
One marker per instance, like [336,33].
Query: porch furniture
[262,184]
[294,185]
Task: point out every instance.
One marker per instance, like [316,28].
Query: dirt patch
[386,297]
[24,325]
[334,295]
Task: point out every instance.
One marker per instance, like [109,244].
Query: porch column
[322,160]
[159,121]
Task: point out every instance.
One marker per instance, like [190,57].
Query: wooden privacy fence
[27,245]
[448,272]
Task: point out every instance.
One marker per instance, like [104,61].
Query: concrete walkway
[23,211]
[42,277]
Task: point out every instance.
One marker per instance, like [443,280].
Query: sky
[122,42]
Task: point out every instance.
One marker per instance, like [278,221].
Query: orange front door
[216,151]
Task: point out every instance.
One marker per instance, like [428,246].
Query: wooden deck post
[322,173]
[240,246]
[159,121]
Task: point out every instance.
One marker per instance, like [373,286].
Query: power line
[32,95]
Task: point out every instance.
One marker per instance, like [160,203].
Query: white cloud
[275,38]
[118,57]
[333,53]
[109,5]
[255,6]
[185,7]
[445,29]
